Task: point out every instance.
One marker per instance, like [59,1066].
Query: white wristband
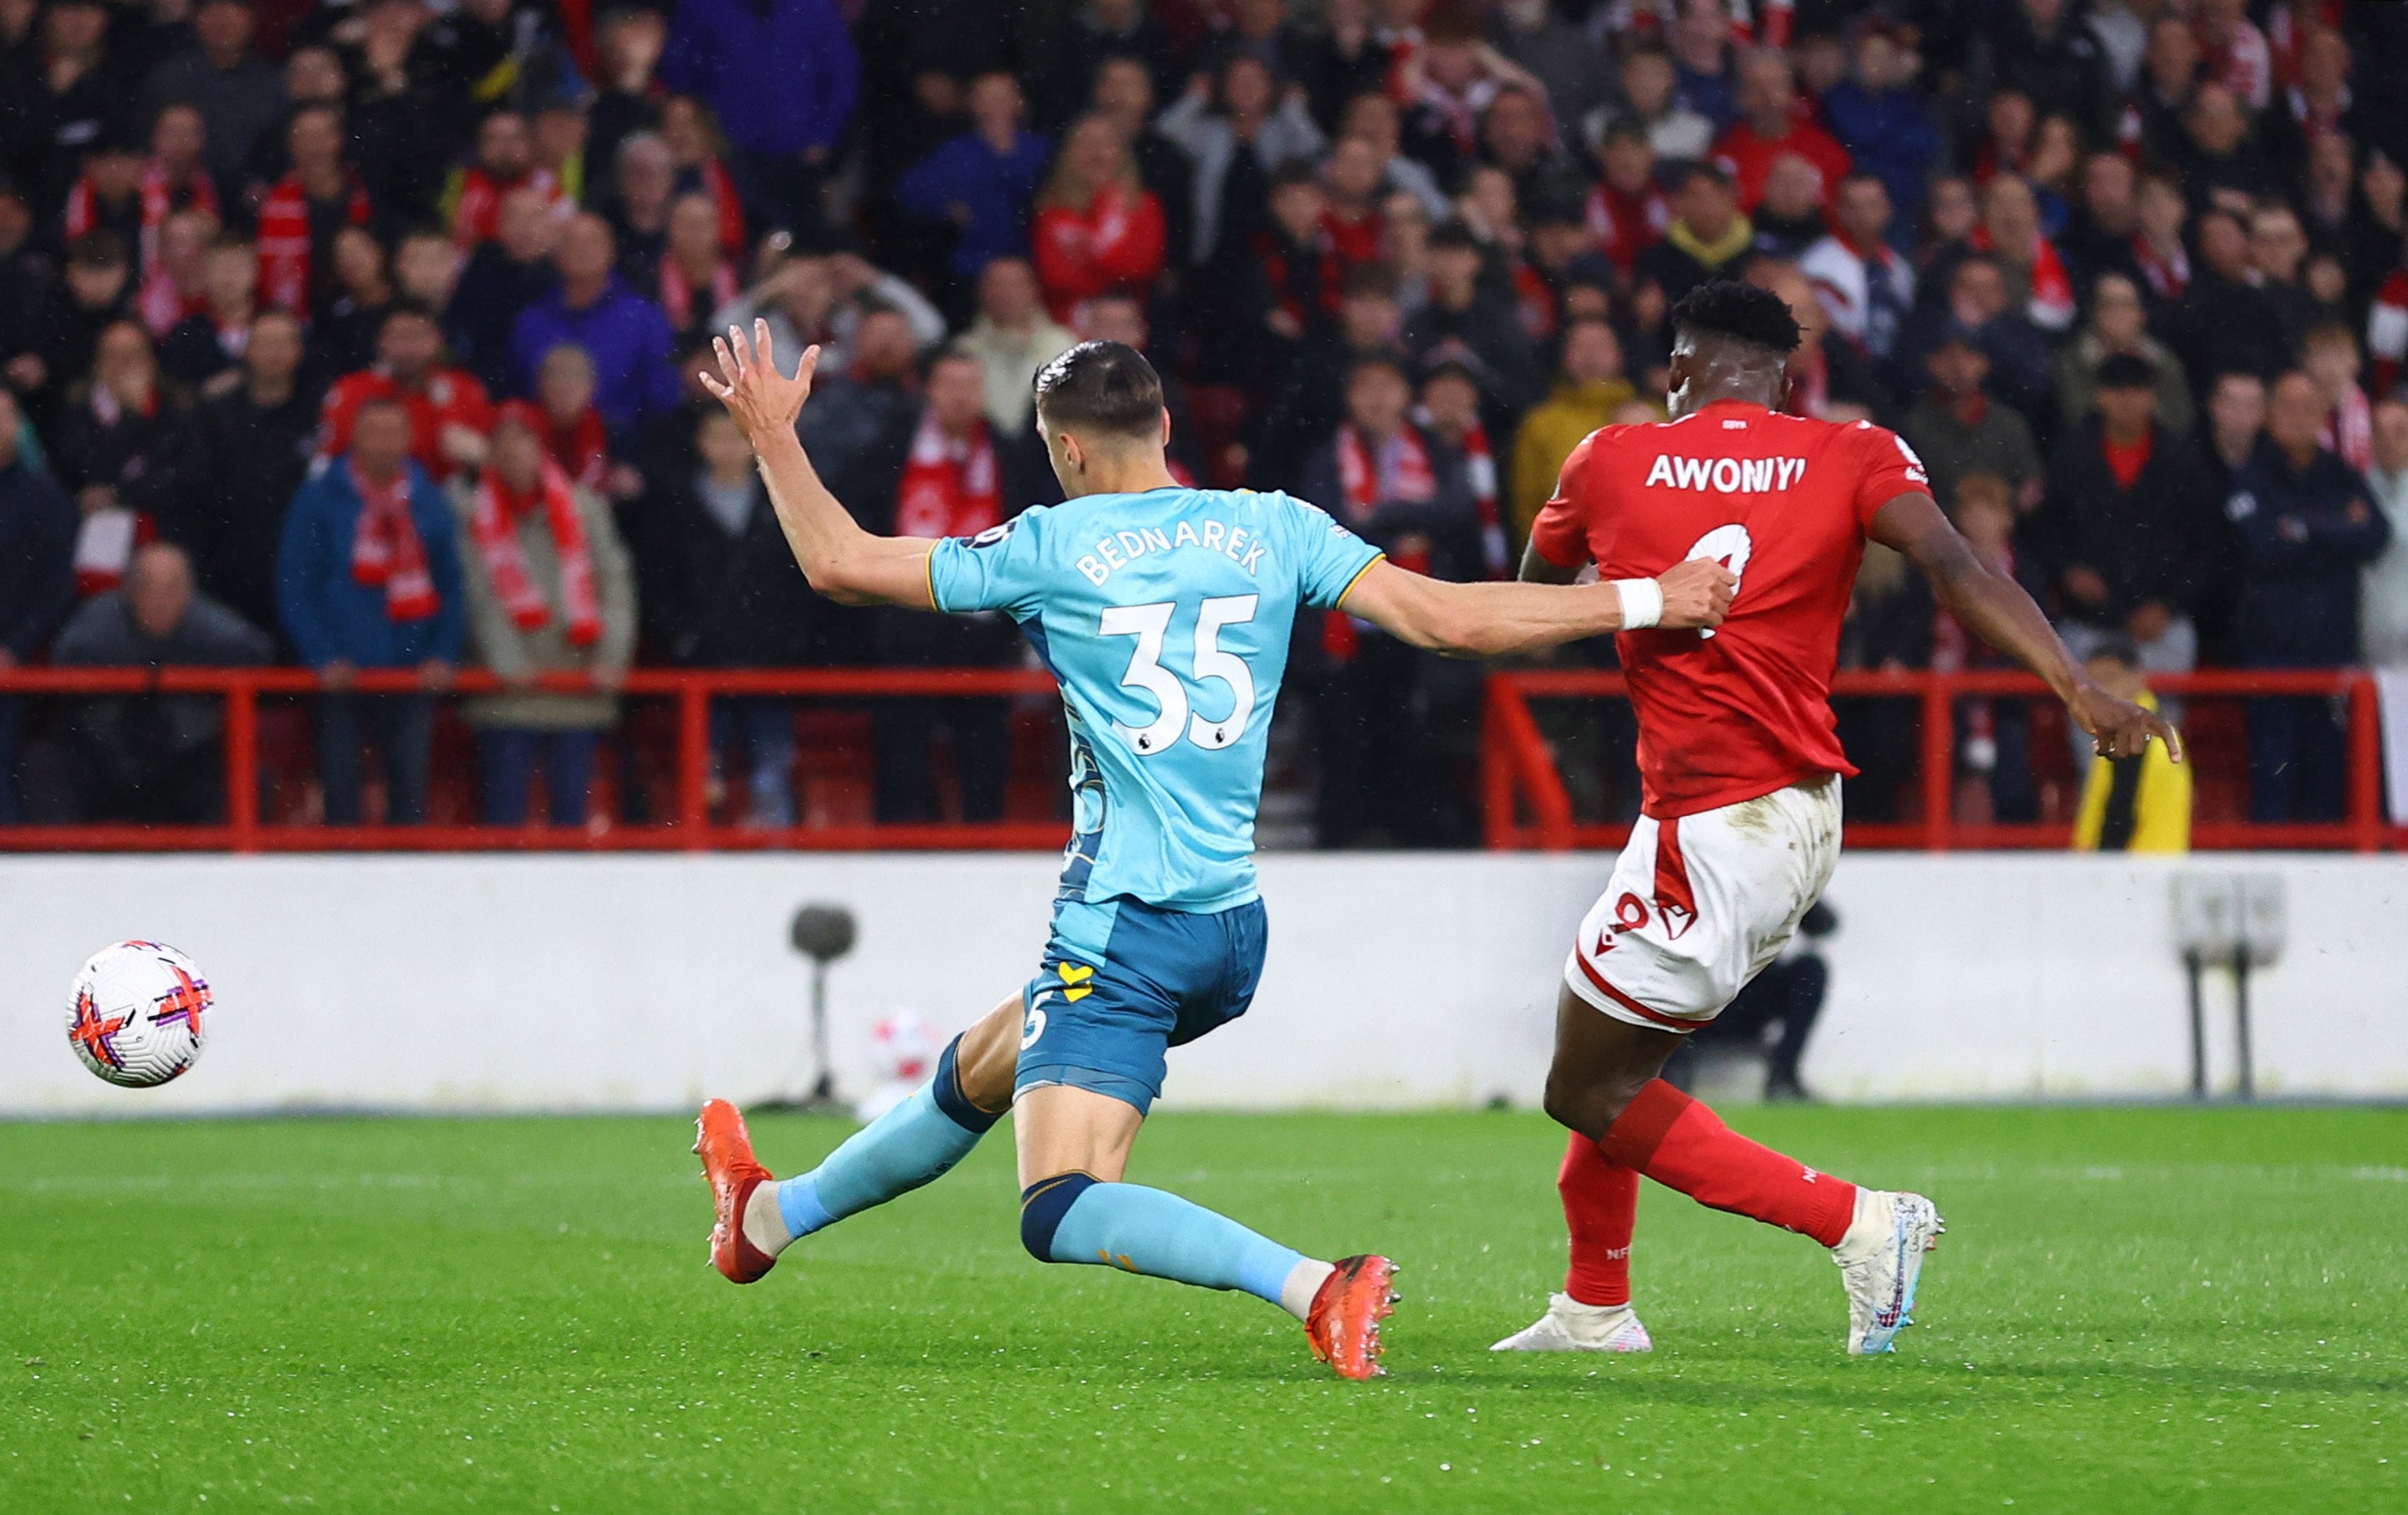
[1642,603]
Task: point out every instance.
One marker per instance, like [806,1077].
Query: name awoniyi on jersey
[1785,503]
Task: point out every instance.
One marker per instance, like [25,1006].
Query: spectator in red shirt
[504,162]
[450,415]
[1353,178]
[1098,231]
[134,197]
[303,211]
[1627,210]
[1771,125]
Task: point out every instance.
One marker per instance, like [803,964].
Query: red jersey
[450,397]
[1784,502]
[1748,158]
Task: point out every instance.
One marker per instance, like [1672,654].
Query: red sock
[1681,1145]
[1600,1206]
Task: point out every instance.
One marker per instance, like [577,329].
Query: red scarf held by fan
[161,304]
[2051,308]
[2167,277]
[579,445]
[951,487]
[158,204]
[1410,477]
[1305,291]
[677,293]
[713,178]
[386,552]
[1481,464]
[477,215]
[283,242]
[495,524]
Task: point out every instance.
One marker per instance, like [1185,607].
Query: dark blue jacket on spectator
[331,616]
[627,337]
[1714,96]
[967,170]
[1891,135]
[2303,535]
[493,287]
[38,537]
[783,75]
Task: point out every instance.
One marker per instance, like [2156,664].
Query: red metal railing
[689,826]
[1528,805]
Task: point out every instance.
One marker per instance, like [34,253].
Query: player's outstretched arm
[846,564]
[1495,619]
[1996,608]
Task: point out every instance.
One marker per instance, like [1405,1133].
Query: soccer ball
[137,1012]
[903,1050]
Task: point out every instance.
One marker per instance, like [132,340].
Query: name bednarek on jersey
[1165,618]
[1121,548]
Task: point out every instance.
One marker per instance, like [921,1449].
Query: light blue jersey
[1165,617]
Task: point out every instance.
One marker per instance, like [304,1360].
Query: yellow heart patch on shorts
[1074,977]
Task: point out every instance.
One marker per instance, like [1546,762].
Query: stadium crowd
[362,335]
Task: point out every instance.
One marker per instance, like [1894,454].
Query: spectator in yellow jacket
[2132,804]
[1587,392]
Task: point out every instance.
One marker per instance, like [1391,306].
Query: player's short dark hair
[1103,387]
[1738,311]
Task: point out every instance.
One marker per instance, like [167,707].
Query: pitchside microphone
[823,933]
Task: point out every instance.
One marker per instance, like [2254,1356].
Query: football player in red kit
[1740,771]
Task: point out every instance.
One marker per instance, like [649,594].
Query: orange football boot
[729,1166]
[1345,1322]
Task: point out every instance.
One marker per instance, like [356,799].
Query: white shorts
[1699,904]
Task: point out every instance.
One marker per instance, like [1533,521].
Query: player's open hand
[763,401]
[1697,594]
[2119,728]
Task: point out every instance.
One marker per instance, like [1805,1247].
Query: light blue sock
[912,1144]
[1148,1231]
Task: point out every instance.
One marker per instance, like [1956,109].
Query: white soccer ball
[905,1046]
[903,1051]
[137,1013]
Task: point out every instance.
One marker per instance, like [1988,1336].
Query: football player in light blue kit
[1165,613]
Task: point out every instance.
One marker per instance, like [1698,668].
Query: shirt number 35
[1176,717]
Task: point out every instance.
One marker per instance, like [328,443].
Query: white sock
[765,1225]
[1592,1324]
[1870,1229]
[1571,1309]
[1304,1280]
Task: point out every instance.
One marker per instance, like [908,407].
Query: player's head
[1730,341]
[1100,408]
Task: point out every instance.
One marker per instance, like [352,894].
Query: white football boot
[1570,1326]
[1881,1258]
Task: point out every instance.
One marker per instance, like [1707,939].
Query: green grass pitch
[2133,1309]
